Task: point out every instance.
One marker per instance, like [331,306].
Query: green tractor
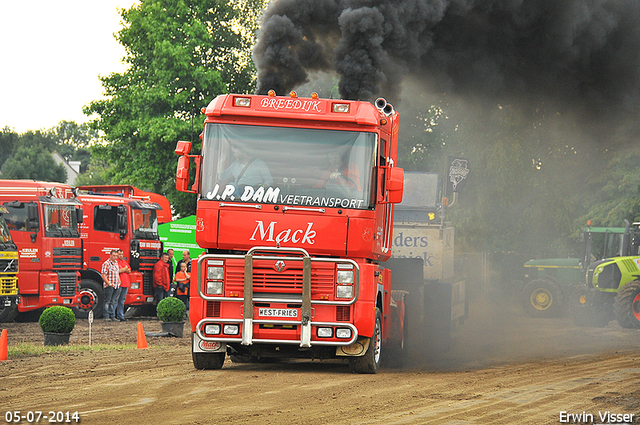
[550,283]
[612,289]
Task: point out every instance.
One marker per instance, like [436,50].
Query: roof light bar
[341,108]
[244,102]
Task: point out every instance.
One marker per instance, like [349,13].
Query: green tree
[33,162]
[180,55]
[98,172]
[74,140]
[8,140]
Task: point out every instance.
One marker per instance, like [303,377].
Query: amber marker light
[293,94]
[203,110]
[314,95]
[271,93]
[383,121]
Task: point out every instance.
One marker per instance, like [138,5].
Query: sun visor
[145,205]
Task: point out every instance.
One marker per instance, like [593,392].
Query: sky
[51,56]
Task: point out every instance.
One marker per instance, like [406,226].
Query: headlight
[135,285]
[345,276]
[215,273]
[49,286]
[212,329]
[325,332]
[344,291]
[344,333]
[230,329]
[214,287]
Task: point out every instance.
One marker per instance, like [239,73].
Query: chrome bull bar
[201,335]
[248,300]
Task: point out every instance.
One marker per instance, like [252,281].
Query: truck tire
[91,298]
[542,298]
[207,361]
[370,362]
[627,305]
[8,314]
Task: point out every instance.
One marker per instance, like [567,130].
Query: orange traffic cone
[142,339]
[3,346]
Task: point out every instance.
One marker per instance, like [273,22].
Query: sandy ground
[503,368]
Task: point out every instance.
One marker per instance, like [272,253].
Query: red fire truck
[295,209]
[43,220]
[119,217]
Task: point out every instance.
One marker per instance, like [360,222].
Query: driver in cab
[246,171]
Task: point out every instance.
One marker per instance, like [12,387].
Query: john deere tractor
[612,287]
[550,283]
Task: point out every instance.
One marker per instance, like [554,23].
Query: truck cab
[113,221]
[43,220]
[8,272]
[295,209]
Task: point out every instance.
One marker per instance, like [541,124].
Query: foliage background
[538,170]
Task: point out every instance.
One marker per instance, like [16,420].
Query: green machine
[180,235]
[549,283]
[612,287]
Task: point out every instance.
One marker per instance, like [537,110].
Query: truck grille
[67,283]
[8,265]
[213,308]
[266,279]
[148,258]
[343,313]
[147,283]
[67,258]
[8,285]
[154,253]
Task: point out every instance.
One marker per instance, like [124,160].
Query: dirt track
[503,369]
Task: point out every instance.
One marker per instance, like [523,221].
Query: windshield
[5,236]
[60,220]
[290,166]
[145,223]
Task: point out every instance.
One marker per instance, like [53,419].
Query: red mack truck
[43,220]
[119,217]
[295,208]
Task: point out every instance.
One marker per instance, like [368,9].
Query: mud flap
[356,349]
[201,346]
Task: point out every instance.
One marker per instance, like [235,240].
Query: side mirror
[183,148]
[395,185]
[182,173]
[33,223]
[79,215]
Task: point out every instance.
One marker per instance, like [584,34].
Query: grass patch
[30,350]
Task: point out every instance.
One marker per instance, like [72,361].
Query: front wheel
[542,298]
[91,298]
[370,362]
[8,314]
[627,305]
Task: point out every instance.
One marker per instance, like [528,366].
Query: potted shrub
[56,323]
[171,313]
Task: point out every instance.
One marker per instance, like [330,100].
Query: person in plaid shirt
[111,278]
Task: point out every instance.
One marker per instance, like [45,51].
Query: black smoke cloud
[582,51]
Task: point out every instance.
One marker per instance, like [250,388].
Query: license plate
[278,312]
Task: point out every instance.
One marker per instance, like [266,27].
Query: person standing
[182,280]
[111,282]
[172,264]
[125,283]
[186,258]
[161,280]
